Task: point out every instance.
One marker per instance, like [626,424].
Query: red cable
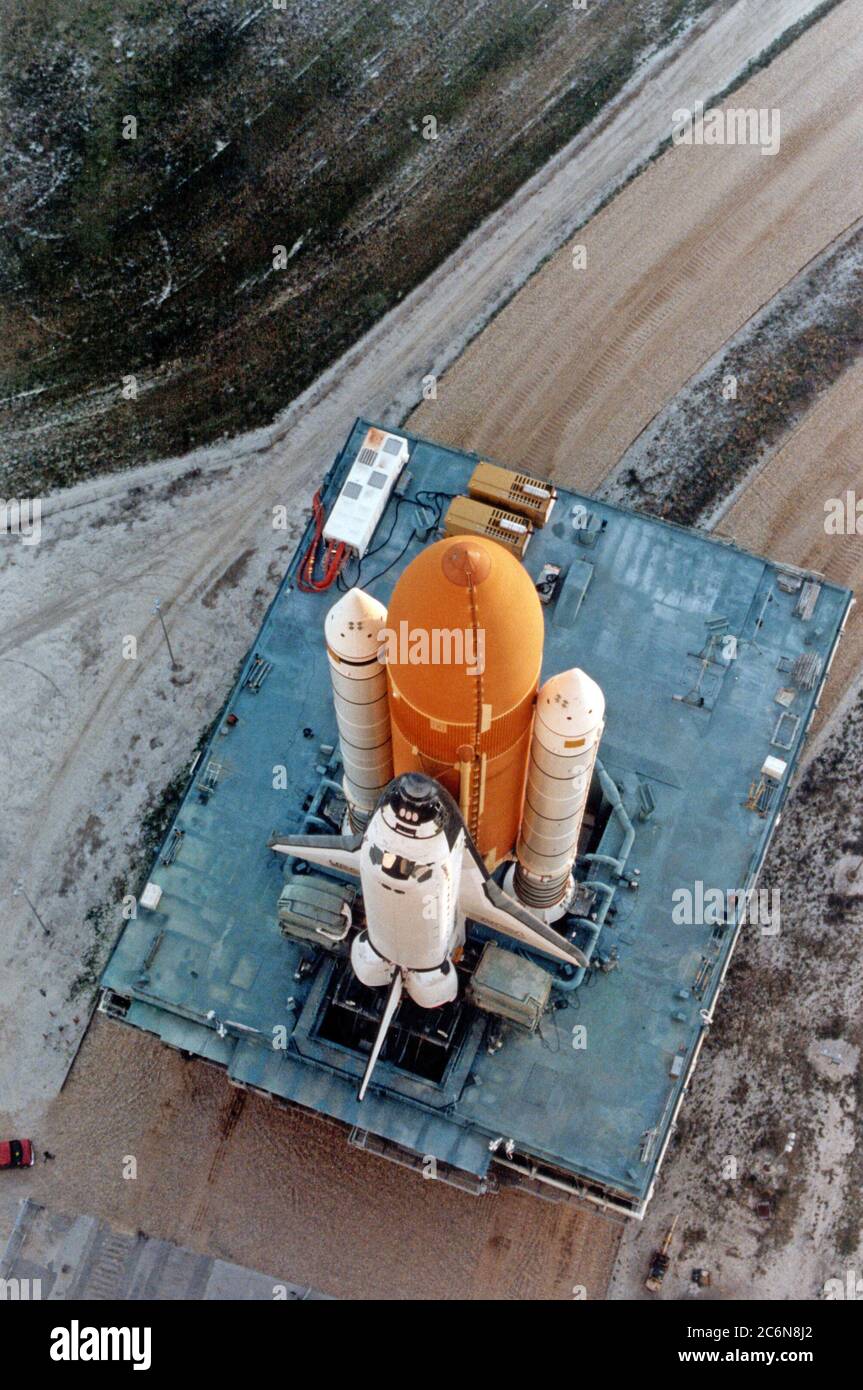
[335,555]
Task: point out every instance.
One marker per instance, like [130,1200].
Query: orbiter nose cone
[415,787]
[571,704]
[414,798]
[353,624]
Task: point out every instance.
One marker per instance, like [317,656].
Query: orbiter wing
[340,852]
[485,901]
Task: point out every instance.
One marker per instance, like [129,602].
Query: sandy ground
[576,366]
[100,736]
[346,1222]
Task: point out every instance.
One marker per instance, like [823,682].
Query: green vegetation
[256,128]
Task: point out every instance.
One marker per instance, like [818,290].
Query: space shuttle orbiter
[456,761]
[421,877]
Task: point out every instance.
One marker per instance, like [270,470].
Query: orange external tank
[464,643]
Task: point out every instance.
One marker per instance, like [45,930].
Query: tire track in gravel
[578,363]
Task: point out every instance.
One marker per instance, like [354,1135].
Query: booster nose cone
[569,706]
[353,625]
[570,710]
[354,635]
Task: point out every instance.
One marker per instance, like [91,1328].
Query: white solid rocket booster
[570,712]
[353,635]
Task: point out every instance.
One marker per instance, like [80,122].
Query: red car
[16,1153]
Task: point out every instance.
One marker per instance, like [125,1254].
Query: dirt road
[234,1176]
[578,364]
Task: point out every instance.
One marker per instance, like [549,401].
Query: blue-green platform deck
[600,1113]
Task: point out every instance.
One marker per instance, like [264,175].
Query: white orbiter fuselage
[421,877]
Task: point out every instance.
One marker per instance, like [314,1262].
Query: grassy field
[256,128]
